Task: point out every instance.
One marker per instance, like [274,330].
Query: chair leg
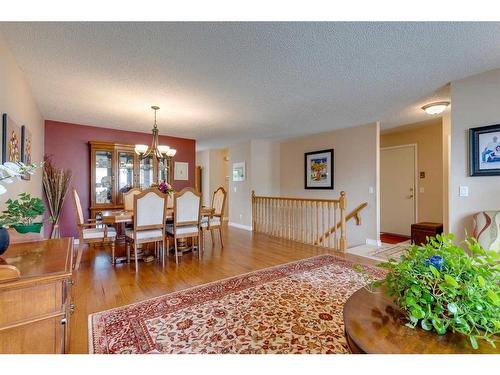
[127,245]
[79,255]
[113,252]
[200,249]
[212,235]
[136,261]
[220,235]
[176,255]
[163,249]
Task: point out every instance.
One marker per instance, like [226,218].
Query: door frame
[415,178]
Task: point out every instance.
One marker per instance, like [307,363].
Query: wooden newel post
[342,205]
[253,211]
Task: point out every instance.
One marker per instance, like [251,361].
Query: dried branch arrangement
[55,184]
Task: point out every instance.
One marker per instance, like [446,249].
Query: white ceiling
[225,82]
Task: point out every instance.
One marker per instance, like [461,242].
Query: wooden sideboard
[35,304]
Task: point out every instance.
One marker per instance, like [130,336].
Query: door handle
[410,196]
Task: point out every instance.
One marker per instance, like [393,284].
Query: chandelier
[157,150]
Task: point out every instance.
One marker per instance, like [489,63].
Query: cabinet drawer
[28,302]
[46,336]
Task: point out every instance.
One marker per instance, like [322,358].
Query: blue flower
[436,261]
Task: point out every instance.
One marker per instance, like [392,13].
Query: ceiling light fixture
[435,108]
[159,151]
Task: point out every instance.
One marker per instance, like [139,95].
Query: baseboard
[371,242]
[240,226]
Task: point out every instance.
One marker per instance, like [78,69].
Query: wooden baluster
[264,226]
[253,211]
[311,237]
[335,243]
[301,218]
[323,224]
[343,239]
[317,222]
[329,224]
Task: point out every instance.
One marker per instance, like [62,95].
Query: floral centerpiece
[166,188]
[441,287]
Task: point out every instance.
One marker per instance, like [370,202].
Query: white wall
[262,166]
[240,209]
[203,161]
[17,101]
[475,102]
[219,170]
[355,171]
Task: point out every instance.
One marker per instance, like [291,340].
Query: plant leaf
[450,281]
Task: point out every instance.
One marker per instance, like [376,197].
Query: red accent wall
[67,144]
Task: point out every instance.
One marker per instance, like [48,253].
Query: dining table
[114,217]
[122,217]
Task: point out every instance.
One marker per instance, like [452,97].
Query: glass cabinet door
[163,170]
[103,177]
[146,173]
[125,174]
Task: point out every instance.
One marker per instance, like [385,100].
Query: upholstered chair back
[78,207]
[487,229]
[149,209]
[187,206]
[128,199]
[218,201]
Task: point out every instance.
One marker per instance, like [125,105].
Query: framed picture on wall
[239,173]
[26,149]
[484,151]
[318,169]
[11,140]
[181,171]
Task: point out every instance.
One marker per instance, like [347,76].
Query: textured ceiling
[224,82]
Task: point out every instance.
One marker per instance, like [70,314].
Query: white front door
[397,189]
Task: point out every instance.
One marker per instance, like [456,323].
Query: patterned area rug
[292,308]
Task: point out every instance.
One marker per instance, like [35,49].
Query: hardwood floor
[100,286]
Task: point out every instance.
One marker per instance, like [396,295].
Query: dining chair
[149,223]
[214,221]
[186,219]
[128,199]
[92,231]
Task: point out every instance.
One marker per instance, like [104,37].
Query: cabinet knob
[64,321]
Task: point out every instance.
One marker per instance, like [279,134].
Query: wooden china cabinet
[115,168]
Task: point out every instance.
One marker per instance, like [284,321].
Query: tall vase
[55,230]
[4,240]
[170,200]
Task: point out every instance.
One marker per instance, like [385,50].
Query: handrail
[301,219]
[353,214]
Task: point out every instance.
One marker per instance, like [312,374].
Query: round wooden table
[373,324]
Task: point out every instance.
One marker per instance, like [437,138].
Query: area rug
[291,308]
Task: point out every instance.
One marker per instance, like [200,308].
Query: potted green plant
[22,212]
[441,287]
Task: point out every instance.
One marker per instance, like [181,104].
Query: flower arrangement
[441,287]
[15,170]
[166,188]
